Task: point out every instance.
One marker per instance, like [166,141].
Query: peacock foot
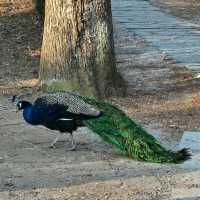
[52,146]
[73,148]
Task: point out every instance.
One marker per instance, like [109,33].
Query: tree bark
[78,48]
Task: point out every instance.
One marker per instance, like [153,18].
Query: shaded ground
[189,10]
[172,35]
[20,39]
[161,95]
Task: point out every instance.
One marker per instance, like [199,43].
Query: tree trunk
[78,48]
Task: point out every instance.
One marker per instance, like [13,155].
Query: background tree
[78,48]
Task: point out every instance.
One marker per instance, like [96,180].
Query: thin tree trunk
[78,48]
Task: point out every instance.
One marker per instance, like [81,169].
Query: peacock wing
[71,102]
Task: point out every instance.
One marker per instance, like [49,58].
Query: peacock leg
[73,147]
[52,145]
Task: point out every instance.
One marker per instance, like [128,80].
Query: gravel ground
[163,96]
[188,10]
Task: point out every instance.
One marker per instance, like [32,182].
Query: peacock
[65,112]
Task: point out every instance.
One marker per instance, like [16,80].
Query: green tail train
[114,127]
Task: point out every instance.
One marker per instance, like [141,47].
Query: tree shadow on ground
[20,39]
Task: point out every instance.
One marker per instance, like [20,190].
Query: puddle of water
[179,39]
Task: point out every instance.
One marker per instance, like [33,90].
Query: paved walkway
[178,38]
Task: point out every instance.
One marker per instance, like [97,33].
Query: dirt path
[188,10]
[20,39]
[30,170]
[163,96]
[172,35]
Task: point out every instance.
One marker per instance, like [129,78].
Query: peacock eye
[19,105]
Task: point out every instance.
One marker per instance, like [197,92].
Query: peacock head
[23,105]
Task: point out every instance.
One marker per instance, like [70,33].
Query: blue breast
[40,115]
[32,116]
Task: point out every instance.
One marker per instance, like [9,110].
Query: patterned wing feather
[72,103]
